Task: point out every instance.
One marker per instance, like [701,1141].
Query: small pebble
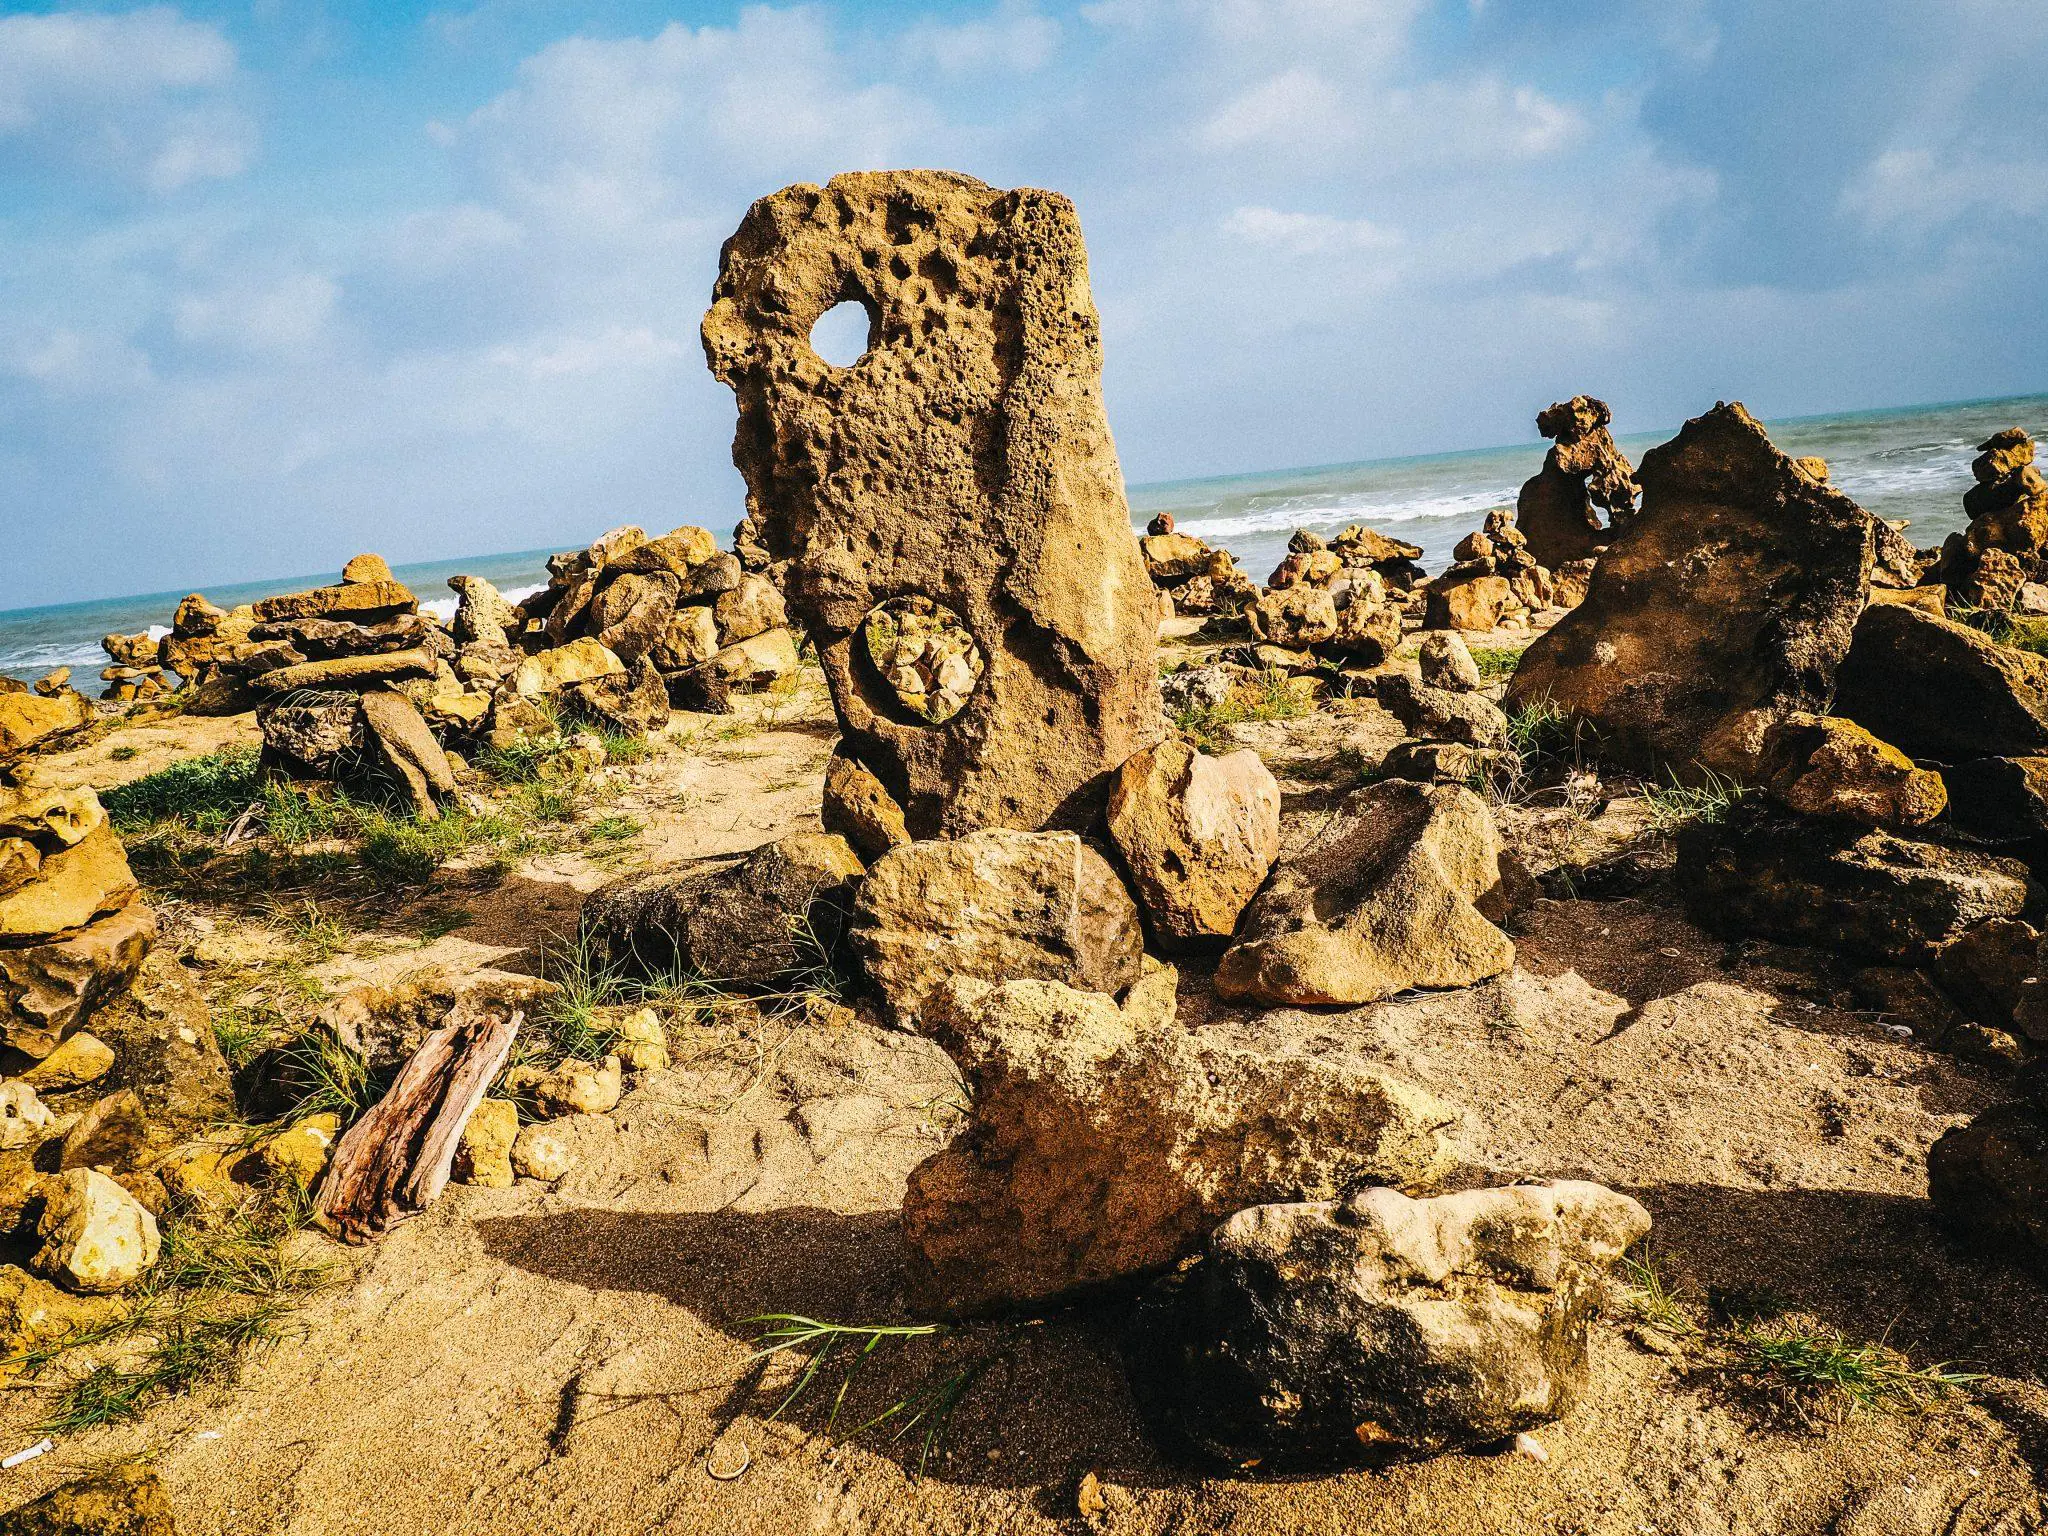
[1528,1445]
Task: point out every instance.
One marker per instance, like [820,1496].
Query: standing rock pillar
[946,514]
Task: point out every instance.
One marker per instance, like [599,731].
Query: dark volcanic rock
[1841,886]
[1724,605]
[1328,1334]
[1937,689]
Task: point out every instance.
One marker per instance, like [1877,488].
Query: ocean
[1912,464]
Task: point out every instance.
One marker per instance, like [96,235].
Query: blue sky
[287,281]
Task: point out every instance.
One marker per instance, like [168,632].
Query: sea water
[1909,464]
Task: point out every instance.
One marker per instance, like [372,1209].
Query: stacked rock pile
[135,669]
[1336,601]
[35,719]
[1458,734]
[1192,576]
[2005,546]
[1495,580]
[676,607]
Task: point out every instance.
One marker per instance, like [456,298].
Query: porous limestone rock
[300,1154]
[1440,714]
[1296,617]
[1382,899]
[1840,884]
[28,721]
[965,458]
[781,908]
[362,602]
[74,883]
[34,1313]
[96,1237]
[24,1118]
[1940,690]
[1825,766]
[1722,606]
[631,615]
[482,616]
[571,1087]
[542,1152]
[549,671]
[161,1033]
[2002,799]
[400,747]
[346,672]
[2006,543]
[994,905]
[312,735]
[690,639]
[112,1134]
[1446,662]
[632,703]
[1106,1141]
[77,1060]
[1476,601]
[753,607]
[1198,835]
[53,986]
[643,1041]
[1332,1333]
[126,1500]
[484,1156]
[859,809]
[365,568]
[1987,970]
[1557,510]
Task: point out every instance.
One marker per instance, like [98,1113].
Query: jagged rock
[356,672]
[1989,1178]
[1941,690]
[717,575]
[397,741]
[580,661]
[858,808]
[630,616]
[1394,559]
[1824,766]
[77,1060]
[690,639]
[752,663]
[643,1042]
[364,602]
[73,885]
[678,552]
[1368,626]
[1198,834]
[1987,968]
[1446,662]
[137,651]
[1383,899]
[963,460]
[1105,1142]
[50,988]
[1582,471]
[1477,601]
[752,608]
[1333,1333]
[1306,567]
[1204,687]
[993,906]
[1840,885]
[780,909]
[571,1087]
[312,735]
[113,1134]
[330,639]
[482,616]
[24,1118]
[28,721]
[485,1155]
[1438,714]
[542,1152]
[128,1500]
[633,704]
[96,1237]
[1171,556]
[1725,604]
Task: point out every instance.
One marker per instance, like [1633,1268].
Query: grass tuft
[1497,662]
[204,793]
[1272,695]
[1674,805]
[1804,1356]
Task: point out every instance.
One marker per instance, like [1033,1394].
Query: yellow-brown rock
[73,886]
[48,988]
[28,719]
[484,1156]
[860,809]
[96,1236]
[550,671]
[1198,834]
[967,458]
[1824,766]
[301,1154]
[78,1059]
[1559,508]
[127,1500]
[365,602]
[366,568]
[351,672]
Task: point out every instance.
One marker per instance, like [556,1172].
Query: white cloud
[1307,234]
[1016,40]
[133,95]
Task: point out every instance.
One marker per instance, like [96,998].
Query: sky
[285,281]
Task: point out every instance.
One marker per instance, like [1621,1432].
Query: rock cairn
[135,669]
[1583,474]
[1338,601]
[1495,580]
[1192,577]
[964,460]
[2006,544]
[677,616]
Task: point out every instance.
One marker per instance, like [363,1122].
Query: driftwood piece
[394,1161]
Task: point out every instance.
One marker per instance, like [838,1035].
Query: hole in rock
[840,335]
[925,656]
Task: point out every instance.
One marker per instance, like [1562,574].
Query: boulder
[329,639]
[73,885]
[676,552]
[1198,835]
[690,638]
[629,703]
[77,1060]
[779,910]
[96,1237]
[356,672]
[49,988]
[1987,969]
[482,616]
[1823,766]
[963,459]
[1105,1142]
[366,568]
[1368,628]
[1171,556]
[858,808]
[754,662]
[126,1500]
[362,602]
[1476,601]
[312,735]
[1383,898]
[112,1134]
[718,574]
[1724,605]
[630,616]
[485,1154]
[550,671]
[1332,1333]
[1439,714]
[28,721]
[161,1033]
[1941,690]
[35,1314]
[398,744]
[1840,885]
[752,608]
[1558,509]
[995,905]
[1988,1178]
[299,1154]
[24,1118]
[1446,663]
[1295,617]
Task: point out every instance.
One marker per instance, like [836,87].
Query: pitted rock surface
[965,458]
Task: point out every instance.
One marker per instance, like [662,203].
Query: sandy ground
[579,1358]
